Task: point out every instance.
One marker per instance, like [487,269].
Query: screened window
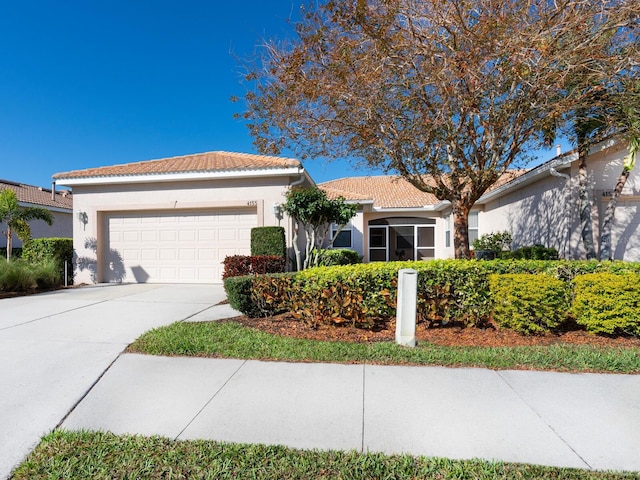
[473,226]
[343,240]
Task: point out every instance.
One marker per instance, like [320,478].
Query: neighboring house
[59,203]
[397,221]
[174,219]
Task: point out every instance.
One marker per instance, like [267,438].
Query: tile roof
[388,191]
[38,195]
[200,162]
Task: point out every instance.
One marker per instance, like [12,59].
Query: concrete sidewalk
[571,420]
[54,346]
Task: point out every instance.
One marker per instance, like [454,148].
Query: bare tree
[448,93]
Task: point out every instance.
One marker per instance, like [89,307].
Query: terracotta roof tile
[389,191]
[386,191]
[38,195]
[201,162]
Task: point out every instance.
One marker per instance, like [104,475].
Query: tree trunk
[609,215]
[296,248]
[586,225]
[9,242]
[461,229]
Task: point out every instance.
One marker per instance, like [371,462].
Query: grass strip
[232,340]
[100,455]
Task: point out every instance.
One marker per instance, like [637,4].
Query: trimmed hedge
[448,290]
[529,303]
[608,303]
[240,265]
[268,241]
[329,257]
[57,249]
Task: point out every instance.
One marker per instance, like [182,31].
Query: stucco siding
[62,227]
[97,201]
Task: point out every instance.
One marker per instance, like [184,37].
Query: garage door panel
[186,247]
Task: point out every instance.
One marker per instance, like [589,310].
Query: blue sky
[94,83]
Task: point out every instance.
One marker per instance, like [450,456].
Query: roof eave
[181,176]
[426,208]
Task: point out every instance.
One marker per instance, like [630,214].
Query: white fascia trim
[426,208]
[46,207]
[186,176]
[535,174]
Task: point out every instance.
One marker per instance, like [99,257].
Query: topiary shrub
[57,249]
[329,257]
[529,303]
[268,241]
[607,303]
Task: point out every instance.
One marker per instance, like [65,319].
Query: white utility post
[406,308]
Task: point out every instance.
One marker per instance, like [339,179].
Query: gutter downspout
[555,173]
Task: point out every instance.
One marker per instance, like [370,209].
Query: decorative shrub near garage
[268,241]
[608,303]
[59,250]
[529,303]
[239,265]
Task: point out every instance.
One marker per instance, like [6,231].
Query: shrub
[16,252]
[495,242]
[236,266]
[238,291]
[608,303]
[337,256]
[529,303]
[22,276]
[536,252]
[268,241]
[240,265]
[57,249]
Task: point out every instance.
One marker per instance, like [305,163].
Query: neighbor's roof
[389,191]
[38,195]
[200,162]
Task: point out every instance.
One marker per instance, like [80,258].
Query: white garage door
[168,247]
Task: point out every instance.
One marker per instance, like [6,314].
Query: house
[174,219]
[59,203]
[537,206]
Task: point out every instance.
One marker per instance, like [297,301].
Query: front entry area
[174,247]
[401,238]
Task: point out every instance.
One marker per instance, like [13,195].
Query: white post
[406,308]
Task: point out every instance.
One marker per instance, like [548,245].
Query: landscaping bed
[451,335]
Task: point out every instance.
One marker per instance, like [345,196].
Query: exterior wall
[260,194]
[546,211]
[62,227]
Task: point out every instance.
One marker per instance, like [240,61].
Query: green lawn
[92,455]
[232,340]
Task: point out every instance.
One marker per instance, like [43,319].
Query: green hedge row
[365,294]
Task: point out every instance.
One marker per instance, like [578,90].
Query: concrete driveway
[55,346]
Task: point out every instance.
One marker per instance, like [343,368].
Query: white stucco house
[59,203]
[176,219]
[537,206]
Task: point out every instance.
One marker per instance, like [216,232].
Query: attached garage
[175,220]
[174,247]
